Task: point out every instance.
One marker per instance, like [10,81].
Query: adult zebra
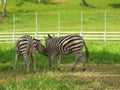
[66,45]
[26,45]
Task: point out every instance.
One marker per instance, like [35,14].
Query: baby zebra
[27,45]
[66,45]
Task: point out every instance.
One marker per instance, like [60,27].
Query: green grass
[102,70]
[91,79]
[93,15]
[104,62]
[97,50]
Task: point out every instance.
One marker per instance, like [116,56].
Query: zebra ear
[49,36]
[37,40]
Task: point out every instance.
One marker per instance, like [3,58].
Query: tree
[0,1]
[5,10]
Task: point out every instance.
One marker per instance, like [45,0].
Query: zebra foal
[27,45]
[66,45]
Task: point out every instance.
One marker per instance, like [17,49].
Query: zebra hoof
[84,69]
[72,70]
[58,69]
[50,69]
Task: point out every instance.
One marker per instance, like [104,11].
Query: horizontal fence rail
[11,37]
[57,25]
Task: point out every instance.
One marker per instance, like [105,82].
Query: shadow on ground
[115,5]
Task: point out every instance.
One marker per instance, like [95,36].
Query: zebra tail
[87,52]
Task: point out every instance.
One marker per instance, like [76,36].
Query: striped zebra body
[24,46]
[66,45]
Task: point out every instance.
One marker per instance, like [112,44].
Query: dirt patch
[57,1]
[93,71]
[85,75]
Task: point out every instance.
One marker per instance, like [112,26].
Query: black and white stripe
[66,45]
[27,45]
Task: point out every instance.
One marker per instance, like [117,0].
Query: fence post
[58,34]
[36,34]
[14,23]
[81,24]
[105,33]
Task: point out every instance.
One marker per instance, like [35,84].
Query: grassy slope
[93,16]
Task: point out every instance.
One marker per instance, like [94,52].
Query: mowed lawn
[102,70]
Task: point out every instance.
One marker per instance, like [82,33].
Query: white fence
[105,24]
[10,37]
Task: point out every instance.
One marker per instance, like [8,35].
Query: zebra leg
[76,61]
[51,61]
[16,60]
[27,63]
[84,63]
[33,61]
[58,62]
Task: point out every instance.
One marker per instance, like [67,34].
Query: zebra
[26,45]
[66,45]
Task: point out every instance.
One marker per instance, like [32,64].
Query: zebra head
[41,49]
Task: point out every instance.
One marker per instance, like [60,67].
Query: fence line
[10,37]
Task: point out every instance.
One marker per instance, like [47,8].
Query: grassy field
[70,15]
[102,70]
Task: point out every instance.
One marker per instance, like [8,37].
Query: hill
[70,10]
[17,6]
